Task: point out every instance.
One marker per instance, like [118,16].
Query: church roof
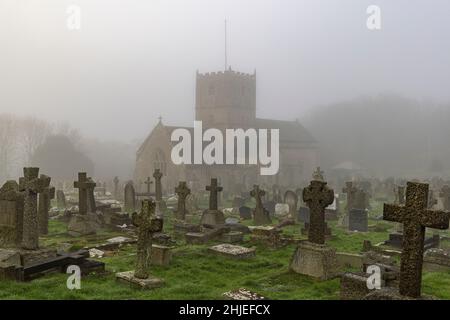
[290,131]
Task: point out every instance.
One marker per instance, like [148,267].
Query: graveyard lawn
[194,273]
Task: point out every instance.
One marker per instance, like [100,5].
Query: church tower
[226,99]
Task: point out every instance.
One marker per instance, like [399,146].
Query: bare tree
[33,134]
[9,134]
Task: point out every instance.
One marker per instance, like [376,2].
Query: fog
[315,60]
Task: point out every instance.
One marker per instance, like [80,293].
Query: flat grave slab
[233,251]
[128,277]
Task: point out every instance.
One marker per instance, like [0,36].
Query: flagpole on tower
[226,45]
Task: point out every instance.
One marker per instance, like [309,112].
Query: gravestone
[245,213]
[260,214]
[445,195]
[238,202]
[45,197]
[291,199]
[31,185]
[313,257]
[130,197]
[61,200]
[303,214]
[213,216]
[85,222]
[191,203]
[182,192]
[148,183]
[415,217]
[147,223]
[276,194]
[11,214]
[358,220]
[350,192]
[116,187]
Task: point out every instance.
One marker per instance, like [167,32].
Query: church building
[227,100]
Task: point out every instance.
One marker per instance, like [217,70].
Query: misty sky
[135,60]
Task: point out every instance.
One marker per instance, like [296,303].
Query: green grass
[196,274]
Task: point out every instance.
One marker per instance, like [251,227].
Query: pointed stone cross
[213,189]
[45,197]
[350,190]
[31,185]
[148,182]
[83,185]
[147,224]
[415,217]
[158,187]
[445,195]
[182,191]
[317,197]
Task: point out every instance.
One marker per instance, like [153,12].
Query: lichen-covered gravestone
[212,215]
[415,217]
[11,214]
[31,185]
[350,191]
[260,214]
[313,257]
[147,223]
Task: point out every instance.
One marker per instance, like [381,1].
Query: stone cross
[116,187]
[45,197]
[415,217]
[182,191]
[317,196]
[158,187]
[445,195]
[83,184]
[350,190]
[147,224]
[318,175]
[31,185]
[148,182]
[213,189]
[261,215]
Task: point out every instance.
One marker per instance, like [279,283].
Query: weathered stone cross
[83,184]
[45,197]
[182,191]
[147,224]
[317,197]
[415,217]
[350,190]
[257,193]
[148,182]
[445,195]
[31,185]
[158,188]
[213,189]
